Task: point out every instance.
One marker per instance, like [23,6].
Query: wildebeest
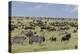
[38,39]
[76,47]
[48,27]
[66,36]
[53,38]
[29,27]
[58,24]
[18,39]
[44,27]
[51,28]
[64,28]
[75,30]
[39,23]
[73,24]
[35,32]
[33,24]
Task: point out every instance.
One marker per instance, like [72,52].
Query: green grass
[47,45]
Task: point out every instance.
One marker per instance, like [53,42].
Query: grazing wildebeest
[66,36]
[18,39]
[38,39]
[51,28]
[53,38]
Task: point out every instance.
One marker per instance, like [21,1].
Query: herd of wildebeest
[27,27]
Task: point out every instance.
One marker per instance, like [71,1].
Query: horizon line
[44,16]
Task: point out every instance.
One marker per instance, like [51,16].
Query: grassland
[47,45]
